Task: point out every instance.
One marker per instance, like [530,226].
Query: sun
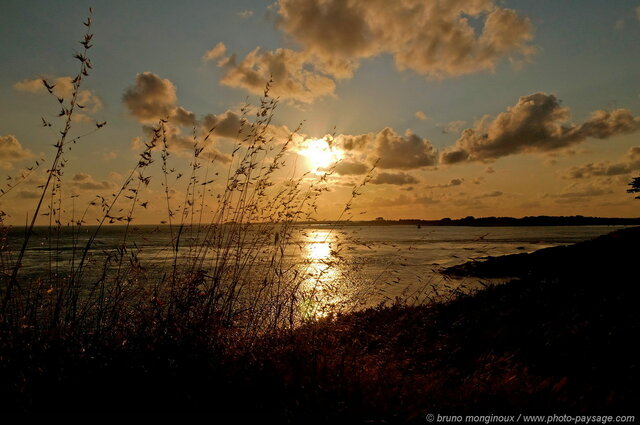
[319,153]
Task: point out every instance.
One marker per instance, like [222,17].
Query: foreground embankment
[559,338]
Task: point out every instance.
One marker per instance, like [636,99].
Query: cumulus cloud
[453,156]
[421,115]
[358,142]
[629,164]
[287,68]
[217,52]
[183,145]
[183,118]
[452,183]
[11,151]
[393,151]
[84,181]
[536,123]
[434,38]
[151,98]
[404,152]
[453,127]
[63,88]
[398,179]
[227,124]
[351,168]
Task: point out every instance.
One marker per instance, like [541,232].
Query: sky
[467,107]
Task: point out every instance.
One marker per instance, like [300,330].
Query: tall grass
[230,271]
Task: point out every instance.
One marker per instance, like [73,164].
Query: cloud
[493,194]
[151,98]
[183,145]
[183,118]
[108,156]
[11,151]
[245,14]
[84,181]
[452,183]
[434,38]
[217,52]
[578,192]
[437,39]
[629,164]
[421,115]
[63,88]
[349,168]
[227,124]
[288,69]
[453,127]
[536,123]
[390,202]
[358,142]
[469,204]
[212,154]
[393,151]
[404,152]
[395,179]
[454,156]
[426,200]
[29,194]
[231,125]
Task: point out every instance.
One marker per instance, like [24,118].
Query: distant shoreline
[498,221]
[469,221]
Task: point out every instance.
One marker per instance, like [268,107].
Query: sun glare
[320,154]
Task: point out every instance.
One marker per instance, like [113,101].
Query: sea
[390,262]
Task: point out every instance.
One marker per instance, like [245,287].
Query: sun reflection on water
[318,251]
[322,292]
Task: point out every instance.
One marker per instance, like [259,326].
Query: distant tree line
[542,220]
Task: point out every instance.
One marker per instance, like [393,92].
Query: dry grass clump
[229,277]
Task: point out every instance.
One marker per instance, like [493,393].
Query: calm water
[395,260]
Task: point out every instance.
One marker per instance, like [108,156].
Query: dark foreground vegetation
[229,328]
[559,338]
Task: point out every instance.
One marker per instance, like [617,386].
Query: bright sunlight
[320,154]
